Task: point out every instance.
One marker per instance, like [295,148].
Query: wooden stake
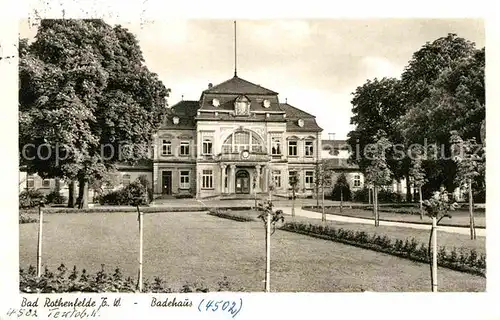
[268,247]
[141,232]
[421,202]
[39,254]
[323,216]
[434,255]
[471,212]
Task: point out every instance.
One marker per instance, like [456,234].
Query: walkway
[317,215]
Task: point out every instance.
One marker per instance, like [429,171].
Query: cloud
[379,67]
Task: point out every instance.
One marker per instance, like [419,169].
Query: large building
[237,139]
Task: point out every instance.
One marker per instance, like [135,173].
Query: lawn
[459,217]
[195,247]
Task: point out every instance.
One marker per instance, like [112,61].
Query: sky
[314,65]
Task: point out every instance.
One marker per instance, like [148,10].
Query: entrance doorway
[242,182]
[166,178]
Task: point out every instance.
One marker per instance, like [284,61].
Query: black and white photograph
[237,155]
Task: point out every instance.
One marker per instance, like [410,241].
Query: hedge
[460,260]
[64,281]
[232,215]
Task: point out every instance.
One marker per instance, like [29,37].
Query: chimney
[210,85]
[331,136]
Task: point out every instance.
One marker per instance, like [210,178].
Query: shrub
[55,197]
[145,182]
[360,195]
[26,218]
[341,187]
[389,196]
[228,214]
[30,198]
[133,194]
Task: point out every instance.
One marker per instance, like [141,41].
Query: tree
[417,174]
[87,99]
[321,179]
[437,207]
[294,184]
[270,218]
[254,186]
[470,158]
[443,91]
[341,190]
[378,173]
[377,105]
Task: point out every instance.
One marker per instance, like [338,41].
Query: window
[277,178]
[45,183]
[126,179]
[357,181]
[207,146]
[30,182]
[291,174]
[309,151]
[276,146]
[184,148]
[184,180]
[243,140]
[207,179]
[292,148]
[166,148]
[309,179]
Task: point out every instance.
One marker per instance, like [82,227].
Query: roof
[187,108]
[186,111]
[237,85]
[294,113]
[292,116]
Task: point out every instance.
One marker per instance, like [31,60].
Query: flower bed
[26,218]
[460,260]
[232,215]
[74,281]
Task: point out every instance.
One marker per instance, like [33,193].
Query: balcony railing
[242,156]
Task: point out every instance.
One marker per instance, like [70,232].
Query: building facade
[237,139]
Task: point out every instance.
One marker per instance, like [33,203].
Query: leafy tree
[87,99]
[276,216]
[437,207]
[377,105]
[417,173]
[294,184]
[341,190]
[444,91]
[378,172]
[321,179]
[470,158]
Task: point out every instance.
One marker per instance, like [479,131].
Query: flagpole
[235,61]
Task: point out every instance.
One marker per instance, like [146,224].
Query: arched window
[243,140]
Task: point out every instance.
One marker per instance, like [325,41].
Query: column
[265,186]
[156,188]
[232,178]
[222,178]
[257,179]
